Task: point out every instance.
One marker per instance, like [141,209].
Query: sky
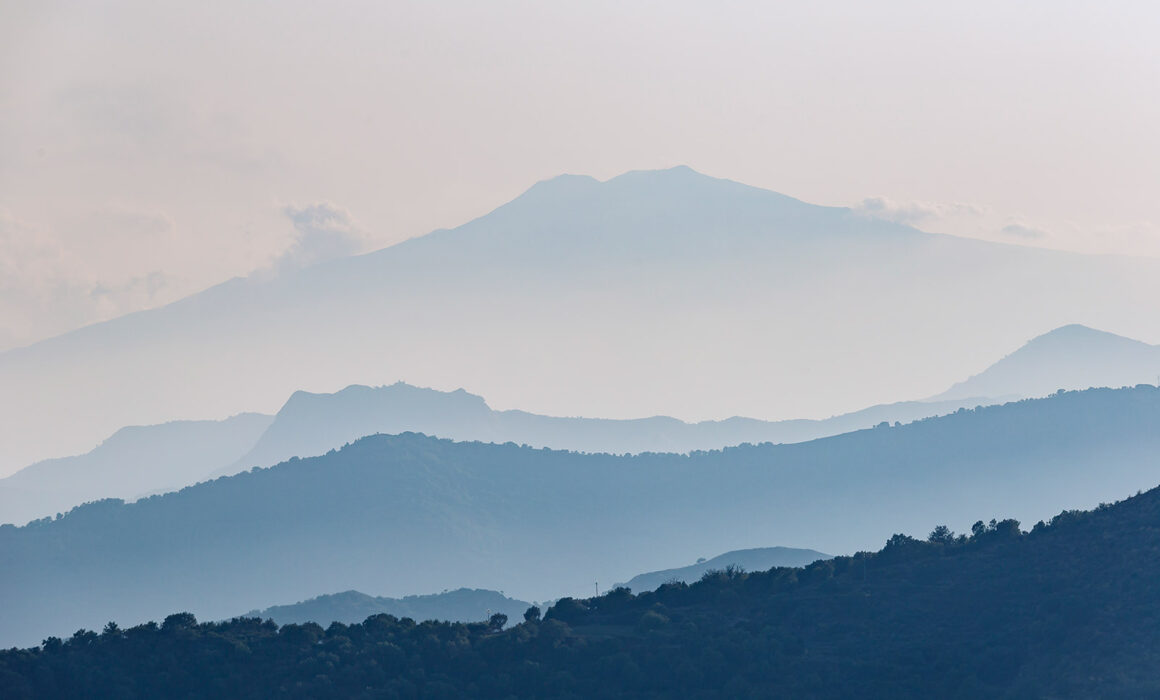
[150,150]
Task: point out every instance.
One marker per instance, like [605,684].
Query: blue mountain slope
[311,424]
[1069,357]
[404,513]
[133,462]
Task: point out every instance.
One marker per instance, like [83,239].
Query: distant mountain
[153,458]
[149,459]
[398,514]
[145,460]
[1067,610]
[759,559]
[312,424]
[1070,357]
[654,293]
[133,462]
[462,605]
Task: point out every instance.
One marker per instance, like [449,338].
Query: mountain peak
[1069,357]
[1074,333]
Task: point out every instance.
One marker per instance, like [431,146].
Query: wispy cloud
[914,213]
[1022,231]
[322,232]
[48,286]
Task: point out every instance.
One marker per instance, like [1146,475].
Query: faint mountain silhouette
[1069,357]
[460,605]
[133,462]
[312,424]
[662,292]
[759,559]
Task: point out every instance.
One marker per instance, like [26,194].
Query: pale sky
[149,150]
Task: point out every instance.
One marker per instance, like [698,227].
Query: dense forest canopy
[1068,609]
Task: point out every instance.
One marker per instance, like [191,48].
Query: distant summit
[1069,357]
[349,607]
[758,559]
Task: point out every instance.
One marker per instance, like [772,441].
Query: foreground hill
[463,605]
[665,292]
[1067,610]
[133,462]
[400,514]
[757,559]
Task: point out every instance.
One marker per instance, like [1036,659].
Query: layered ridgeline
[652,293]
[143,460]
[133,462]
[309,424]
[408,514]
[312,424]
[148,459]
[756,559]
[1066,610]
[477,605]
[348,607]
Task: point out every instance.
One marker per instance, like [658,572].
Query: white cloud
[116,258]
[322,232]
[915,213]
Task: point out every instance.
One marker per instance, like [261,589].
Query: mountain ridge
[312,423]
[629,285]
[1069,357]
[404,513]
[134,461]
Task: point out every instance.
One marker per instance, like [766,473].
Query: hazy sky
[148,150]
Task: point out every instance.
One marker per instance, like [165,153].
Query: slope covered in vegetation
[408,514]
[1069,609]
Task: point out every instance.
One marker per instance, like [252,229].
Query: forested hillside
[407,514]
[1069,609]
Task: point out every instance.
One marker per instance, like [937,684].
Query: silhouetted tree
[941,535]
[178,621]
